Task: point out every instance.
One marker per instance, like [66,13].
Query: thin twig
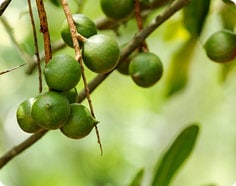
[138,15]
[132,45]
[36,46]
[44,30]
[75,35]
[139,21]
[14,68]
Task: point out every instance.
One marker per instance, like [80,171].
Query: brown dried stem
[44,30]
[139,21]
[36,46]
[138,15]
[130,47]
[75,36]
[11,69]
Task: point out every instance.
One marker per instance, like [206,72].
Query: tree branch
[36,47]
[130,47]
[20,148]
[44,29]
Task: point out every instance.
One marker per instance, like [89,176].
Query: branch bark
[44,29]
[36,47]
[130,47]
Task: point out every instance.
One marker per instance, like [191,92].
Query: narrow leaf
[137,178]
[195,14]
[175,156]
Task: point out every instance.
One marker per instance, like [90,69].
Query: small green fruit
[50,110]
[84,25]
[123,68]
[101,53]
[24,118]
[80,122]
[117,9]
[62,73]
[221,46]
[145,69]
[71,95]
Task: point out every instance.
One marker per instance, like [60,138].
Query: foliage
[175,156]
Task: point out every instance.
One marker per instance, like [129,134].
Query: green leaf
[195,14]
[177,76]
[175,156]
[137,178]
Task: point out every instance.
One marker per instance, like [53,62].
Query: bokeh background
[136,124]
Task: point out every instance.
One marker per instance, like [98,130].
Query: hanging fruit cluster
[57,108]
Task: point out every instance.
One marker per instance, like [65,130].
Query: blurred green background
[136,124]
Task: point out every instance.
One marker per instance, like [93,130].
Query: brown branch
[131,46]
[139,21]
[44,30]
[14,68]
[138,15]
[75,35]
[20,148]
[36,46]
